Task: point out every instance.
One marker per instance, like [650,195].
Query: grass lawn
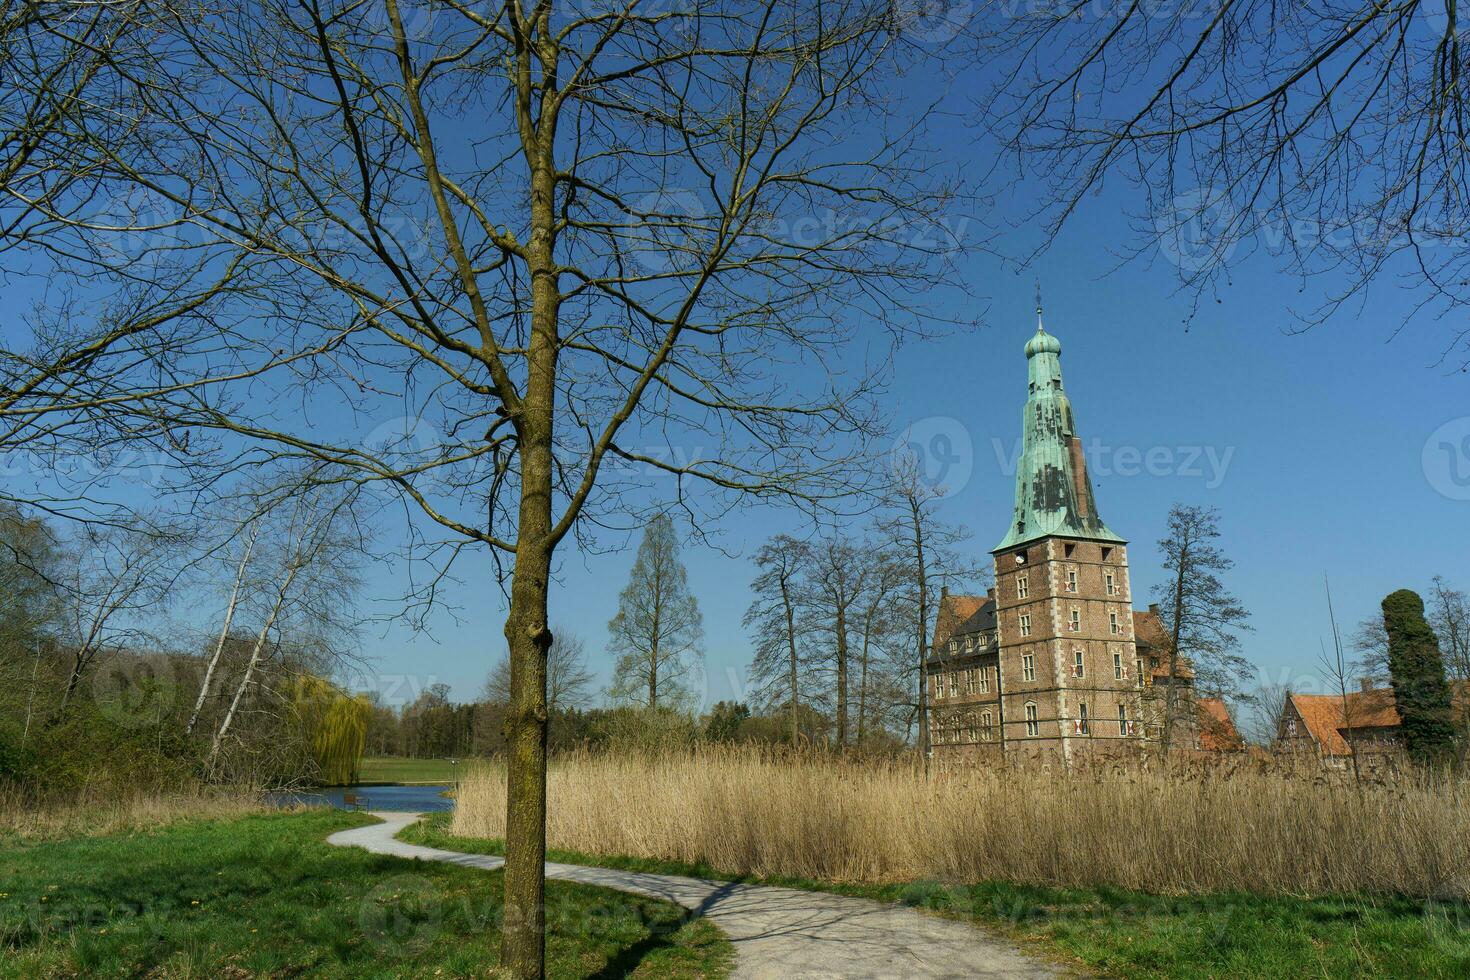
[388,769]
[264,896]
[1131,934]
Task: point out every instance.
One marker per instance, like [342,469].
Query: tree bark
[219,648]
[523,936]
[842,654]
[923,630]
[791,644]
[1178,631]
[256,655]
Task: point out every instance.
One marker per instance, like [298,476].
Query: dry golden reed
[89,816]
[1204,830]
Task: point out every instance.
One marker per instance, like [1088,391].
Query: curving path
[777,932]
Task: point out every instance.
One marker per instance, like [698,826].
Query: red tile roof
[1325,718]
[954,610]
[1216,728]
[1148,632]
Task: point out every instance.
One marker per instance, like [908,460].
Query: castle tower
[1069,668]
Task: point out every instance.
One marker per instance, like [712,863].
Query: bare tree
[118,580]
[1264,706]
[236,593]
[658,629]
[933,560]
[780,630]
[568,681]
[313,580]
[1339,669]
[839,575]
[1330,133]
[562,248]
[1201,618]
[1449,615]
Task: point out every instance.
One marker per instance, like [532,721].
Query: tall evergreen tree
[1416,671]
[658,629]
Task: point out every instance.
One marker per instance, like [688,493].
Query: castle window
[1067,550]
[1138,668]
[1023,587]
[1117,666]
[1071,580]
[984,680]
[1025,624]
[971,732]
[954,685]
[1112,585]
[1113,623]
[1122,719]
[969,643]
[938,680]
[970,681]
[1082,728]
[1107,553]
[1077,668]
[1076,624]
[985,723]
[1033,728]
[1028,667]
[954,646]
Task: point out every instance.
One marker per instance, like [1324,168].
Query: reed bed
[85,814]
[1191,831]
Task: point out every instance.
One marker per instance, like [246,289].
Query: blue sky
[1342,450]
[1312,445]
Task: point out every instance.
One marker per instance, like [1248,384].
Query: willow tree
[335,725]
[519,265]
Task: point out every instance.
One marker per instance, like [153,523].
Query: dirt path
[777,932]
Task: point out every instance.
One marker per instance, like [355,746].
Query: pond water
[410,799]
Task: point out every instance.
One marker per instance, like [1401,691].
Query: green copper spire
[1053,493]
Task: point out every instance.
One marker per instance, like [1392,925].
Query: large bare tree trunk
[523,946]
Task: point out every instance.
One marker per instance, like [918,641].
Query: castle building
[1053,663]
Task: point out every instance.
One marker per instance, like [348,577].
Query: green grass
[264,896]
[1122,933]
[387,769]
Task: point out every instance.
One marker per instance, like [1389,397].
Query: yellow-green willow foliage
[335,725]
